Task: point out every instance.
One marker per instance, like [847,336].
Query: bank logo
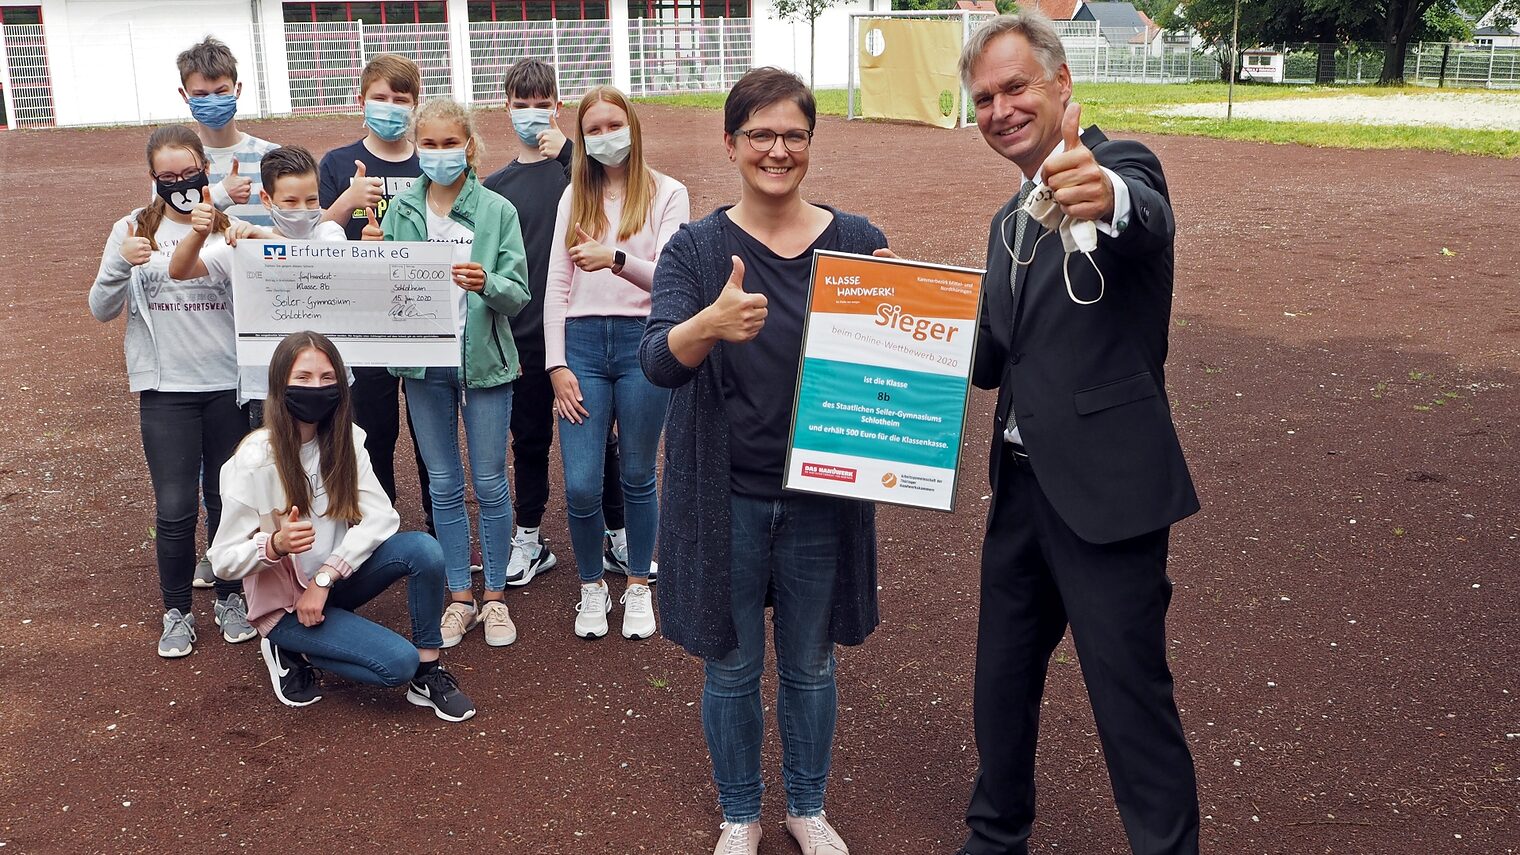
[274,252]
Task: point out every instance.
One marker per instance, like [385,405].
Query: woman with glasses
[725,332]
[612,221]
[181,361]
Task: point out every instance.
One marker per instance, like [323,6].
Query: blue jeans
[604,354]
[360,649]
[436,402]
[788,548]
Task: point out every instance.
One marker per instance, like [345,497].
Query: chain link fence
[580,51]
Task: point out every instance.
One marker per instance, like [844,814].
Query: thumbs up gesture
[552,141]
[363,191]
[372,230]
[239,187]
[202,216]
[135,250]
[295,535]
[590,254]
[736,315]
[1082,188]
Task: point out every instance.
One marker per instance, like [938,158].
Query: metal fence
[26,81]
[1485,66]
[580,51]
[324,61]
[703,55]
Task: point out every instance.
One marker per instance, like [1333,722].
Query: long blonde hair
[588,178]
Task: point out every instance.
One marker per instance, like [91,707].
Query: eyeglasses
[764,139]
[171,178]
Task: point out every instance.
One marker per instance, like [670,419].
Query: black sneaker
[294,679]
[615,560]
[529,558]
[438,689]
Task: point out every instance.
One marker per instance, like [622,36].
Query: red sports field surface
[1344,630]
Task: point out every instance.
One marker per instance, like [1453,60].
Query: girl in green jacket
[448,205]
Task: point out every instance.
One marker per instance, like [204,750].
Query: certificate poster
[383,303]
[884,381]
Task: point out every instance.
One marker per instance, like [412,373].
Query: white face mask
[1076,236]
[610,149]
[296,223]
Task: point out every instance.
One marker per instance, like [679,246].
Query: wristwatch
[323,579]
[619,258]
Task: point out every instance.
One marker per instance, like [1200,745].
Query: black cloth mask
[184,195]
[312,404]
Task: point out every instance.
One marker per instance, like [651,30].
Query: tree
[805,10]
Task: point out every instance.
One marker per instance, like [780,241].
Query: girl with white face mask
[612,222]
[449,205]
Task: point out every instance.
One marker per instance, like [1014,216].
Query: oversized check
[884,380]
[383,303]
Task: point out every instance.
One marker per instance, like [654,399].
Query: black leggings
[185,434]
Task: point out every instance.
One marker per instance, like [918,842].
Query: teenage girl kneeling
[308,528]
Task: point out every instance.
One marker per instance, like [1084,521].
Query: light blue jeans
[604,354]
[788,548]
[436,403]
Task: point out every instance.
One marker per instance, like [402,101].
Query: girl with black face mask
[181,360]
[307,524]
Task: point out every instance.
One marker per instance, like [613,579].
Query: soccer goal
[903,65]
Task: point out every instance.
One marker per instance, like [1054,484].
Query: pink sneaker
[815,836]
[738,838]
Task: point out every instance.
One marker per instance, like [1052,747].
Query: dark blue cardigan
[695,539]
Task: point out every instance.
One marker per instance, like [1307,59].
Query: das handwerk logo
[274,252]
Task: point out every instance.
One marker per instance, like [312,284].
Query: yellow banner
[908,69]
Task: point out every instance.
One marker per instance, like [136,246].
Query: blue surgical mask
[388,121]
[529,122]
[213,111]
[610,149]
[442,165]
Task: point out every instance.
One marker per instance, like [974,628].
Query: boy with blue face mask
[359,180]
[289,200]
[209,85]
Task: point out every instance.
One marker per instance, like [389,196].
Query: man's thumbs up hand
[1082,188]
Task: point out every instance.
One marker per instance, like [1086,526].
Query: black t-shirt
[534,189]
[337,168]
[760,377]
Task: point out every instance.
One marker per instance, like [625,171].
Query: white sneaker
[591,612]
[638,612]
[530,557]
[458,619]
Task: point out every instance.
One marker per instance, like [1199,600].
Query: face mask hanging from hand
[1076,236]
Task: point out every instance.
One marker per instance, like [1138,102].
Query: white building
[92,62]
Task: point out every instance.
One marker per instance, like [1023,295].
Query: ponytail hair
[173,136]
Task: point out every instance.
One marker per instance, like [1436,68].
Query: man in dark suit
[1087,472]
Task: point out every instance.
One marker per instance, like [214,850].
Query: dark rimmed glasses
[764,139]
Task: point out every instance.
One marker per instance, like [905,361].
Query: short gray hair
[1033,26]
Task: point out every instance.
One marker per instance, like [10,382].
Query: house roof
[1495,31]
[1117,18]
[1055,10]
[976,6]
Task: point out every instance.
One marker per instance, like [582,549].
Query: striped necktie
[1021,225]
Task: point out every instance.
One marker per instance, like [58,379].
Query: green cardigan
[490,354]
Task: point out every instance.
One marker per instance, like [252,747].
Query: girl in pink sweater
[612,222]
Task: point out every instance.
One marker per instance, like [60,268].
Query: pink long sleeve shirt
[573,293]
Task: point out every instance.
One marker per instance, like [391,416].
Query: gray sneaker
[231,615]
[179,634]
[204,578]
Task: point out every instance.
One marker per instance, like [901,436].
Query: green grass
[1128,106]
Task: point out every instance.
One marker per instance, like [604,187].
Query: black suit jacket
[1086,383]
